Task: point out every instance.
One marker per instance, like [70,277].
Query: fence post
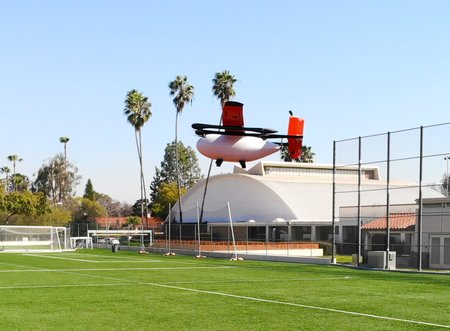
[359,203]
[419,225]
[333,213]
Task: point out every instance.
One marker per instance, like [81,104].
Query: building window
[323,233]
[301,233]
[317,172]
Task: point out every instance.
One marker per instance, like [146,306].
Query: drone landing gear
[220,161]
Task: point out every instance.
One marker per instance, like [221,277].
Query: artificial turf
[101,290]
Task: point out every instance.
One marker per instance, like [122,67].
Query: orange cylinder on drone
[295,129]
[296,126]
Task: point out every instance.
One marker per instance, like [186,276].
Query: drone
[234,142]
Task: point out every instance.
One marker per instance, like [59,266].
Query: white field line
[122,258]
[163,259]
[131,284]
[291,304]
[113,269]
[103,256]
[106,257]
[60,258]
[90,261]
[315,279]
[20,265]
[60,286]
[122,261]
[116,259]
[113,256]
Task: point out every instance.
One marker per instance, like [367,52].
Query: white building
[436,233]
[293,201]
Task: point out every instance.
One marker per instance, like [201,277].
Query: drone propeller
[228,130]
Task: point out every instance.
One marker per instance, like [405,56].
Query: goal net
[81,242]
[32,238]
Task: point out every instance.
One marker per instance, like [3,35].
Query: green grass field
[100,290]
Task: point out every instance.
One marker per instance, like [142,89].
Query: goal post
[17,238]
[105,236]
[81,242]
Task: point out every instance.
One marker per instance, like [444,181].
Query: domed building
[280,201]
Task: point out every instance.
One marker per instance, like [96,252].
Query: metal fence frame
[388,161]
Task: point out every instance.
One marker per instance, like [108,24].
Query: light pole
[446,177]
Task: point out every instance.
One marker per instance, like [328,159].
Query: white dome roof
[297,192]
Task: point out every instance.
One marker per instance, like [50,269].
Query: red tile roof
[111,220]
[398,221]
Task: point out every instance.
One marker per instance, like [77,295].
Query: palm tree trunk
[139,150]
[143,187]
[209,172]
[178,168]
[14,176]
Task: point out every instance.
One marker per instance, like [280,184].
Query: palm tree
[138,112]
[5,170]
[14,158]
[306,157]
[183,93]
[223,89]
[20,182]
[223,86]
[64,140]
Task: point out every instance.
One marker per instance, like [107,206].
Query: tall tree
[138,206]
[306,157]
[56,179]
[183,93]
[85,213]
[5,170]
[223,89]
[88,210]
[23,203]
[189,169]
[138,112]
[14,158]
[189,174]
[167,194]
[20,182]
[113,208]
[155,184]
[89,192]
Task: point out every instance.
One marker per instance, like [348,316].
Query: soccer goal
[81,242]
[33,238]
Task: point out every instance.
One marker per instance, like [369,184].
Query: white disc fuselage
[235,148]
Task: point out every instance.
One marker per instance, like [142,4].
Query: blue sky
[349,68]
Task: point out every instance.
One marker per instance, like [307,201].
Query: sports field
[101,290]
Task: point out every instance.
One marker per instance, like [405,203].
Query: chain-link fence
[399,204]
[271,239]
